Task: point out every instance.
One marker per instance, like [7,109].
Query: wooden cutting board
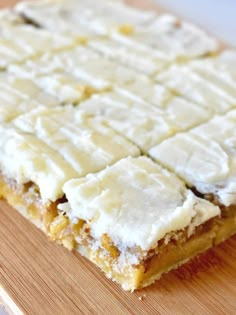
[39,277]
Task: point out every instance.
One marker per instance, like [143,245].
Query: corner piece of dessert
[135,220]
[205,158]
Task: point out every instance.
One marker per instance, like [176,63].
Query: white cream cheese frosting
[111,16]
[198,88]
[186,39]
[168,34]
[10,17]
[104,74]
[143,59]
[136,202]
[164,33]
[141,122]
[82,63]
[48,146]
[183,113]
[25,89]
[220,70]
[36,38]
[11,52]
[53,73]
[19,95]
[144,125]
[19,42]
[56,15]
[205,157]
[50,62]
[66,87]
[98,17]
[147,90]
[226,63]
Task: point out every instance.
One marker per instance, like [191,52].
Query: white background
[2,311]
[216,16]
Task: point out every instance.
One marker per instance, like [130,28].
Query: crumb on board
[142,297]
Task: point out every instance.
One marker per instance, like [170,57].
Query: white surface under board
[2,312]
[216,16]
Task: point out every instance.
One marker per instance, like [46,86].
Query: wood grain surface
[38,277]
[7,3]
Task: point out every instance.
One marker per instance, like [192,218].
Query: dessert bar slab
[117,133]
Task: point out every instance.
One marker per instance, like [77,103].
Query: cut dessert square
[110,16]
[204,83]
[25,89]
[66,87]
[141,122]
[176,38]
[19,42]
[187,39]
[53,145]
[205,158]
[102,73]
[53,73]
[51,62]
[143,59]
[19,95]
[83,64]
[220,71]
[105,216]
[97,17]
[225,63]
[35,12]
[184,113]
[146,90]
